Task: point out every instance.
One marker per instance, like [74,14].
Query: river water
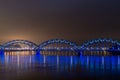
[33,66]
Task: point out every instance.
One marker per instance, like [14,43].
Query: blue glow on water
[87,65]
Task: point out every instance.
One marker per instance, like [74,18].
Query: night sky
[75,20]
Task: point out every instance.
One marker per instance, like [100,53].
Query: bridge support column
[37,52]
[1,52]
[80,52]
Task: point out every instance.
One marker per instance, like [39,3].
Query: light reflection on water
[22,62]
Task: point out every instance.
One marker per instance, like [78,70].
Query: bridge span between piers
[100,44]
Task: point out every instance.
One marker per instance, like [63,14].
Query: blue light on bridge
[101,44]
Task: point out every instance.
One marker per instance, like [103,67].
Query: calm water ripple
[57,67]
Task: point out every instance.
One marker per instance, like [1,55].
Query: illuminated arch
[60,41]
[102,41]
[26,42]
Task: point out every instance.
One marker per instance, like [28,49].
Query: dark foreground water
[25,66]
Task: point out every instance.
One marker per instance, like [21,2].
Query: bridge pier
[80,53]
[37,52]
[1,52]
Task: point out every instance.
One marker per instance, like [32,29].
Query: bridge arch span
[25,42]
[57,41]
[100,43]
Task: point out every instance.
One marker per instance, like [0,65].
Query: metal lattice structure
[57,44]
[6,45]
[101,44]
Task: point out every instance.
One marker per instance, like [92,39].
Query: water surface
[33,66]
